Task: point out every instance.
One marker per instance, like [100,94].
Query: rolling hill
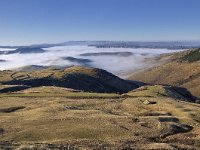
[181,69]
[24,50]
[89,108]
[79,78]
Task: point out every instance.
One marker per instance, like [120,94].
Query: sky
[25,22]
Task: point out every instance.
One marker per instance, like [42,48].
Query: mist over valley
[114,59]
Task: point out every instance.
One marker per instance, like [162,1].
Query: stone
[147,102]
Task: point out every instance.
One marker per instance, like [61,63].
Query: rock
[197,101]
[147,102]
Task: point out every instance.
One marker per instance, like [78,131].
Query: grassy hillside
[61,118]
[182,69]
[79,78]
[52,109]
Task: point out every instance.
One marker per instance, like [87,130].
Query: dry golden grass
[173,73]
[54,73]
[80,78]
[119,122]
[175,70]
[51,91]
[78,69]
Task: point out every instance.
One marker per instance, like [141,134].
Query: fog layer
[53,56]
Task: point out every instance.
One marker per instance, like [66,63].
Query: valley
[89,108]
[80,107]
[99,75]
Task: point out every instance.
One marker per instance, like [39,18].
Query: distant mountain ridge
[123,54]
[120,44]
[151,45]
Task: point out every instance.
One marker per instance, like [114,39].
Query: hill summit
[78,78]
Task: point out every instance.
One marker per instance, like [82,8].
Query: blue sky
[42,21]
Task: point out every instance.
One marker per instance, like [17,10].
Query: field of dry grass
[97,121]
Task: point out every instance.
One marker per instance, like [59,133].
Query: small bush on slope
[192,56]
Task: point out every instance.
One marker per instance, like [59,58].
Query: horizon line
[148,41]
